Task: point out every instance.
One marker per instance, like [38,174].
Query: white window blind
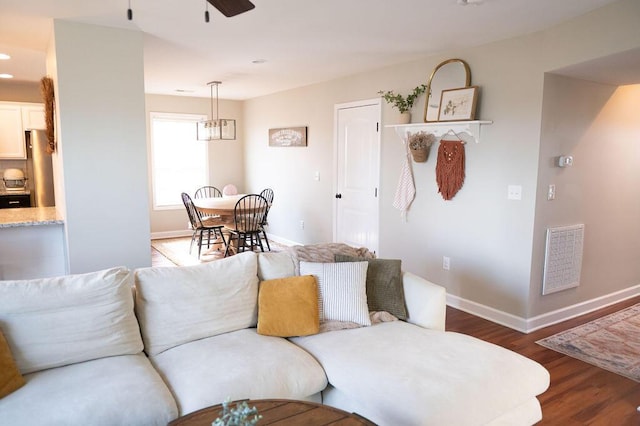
[179,161]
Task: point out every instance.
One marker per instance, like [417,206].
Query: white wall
[99,80]
[488,238]
[226,163]
[598,125]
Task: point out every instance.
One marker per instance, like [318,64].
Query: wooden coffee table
[280,412]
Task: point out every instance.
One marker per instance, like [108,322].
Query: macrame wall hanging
[450,168]
[46,87]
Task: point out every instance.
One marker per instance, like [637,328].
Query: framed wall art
[458,104]
[288,136]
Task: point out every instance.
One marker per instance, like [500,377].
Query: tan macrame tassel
[450,168]
[46,88]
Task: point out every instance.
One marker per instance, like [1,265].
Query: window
[179,161]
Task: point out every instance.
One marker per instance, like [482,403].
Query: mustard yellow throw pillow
[10,377]
[288,307]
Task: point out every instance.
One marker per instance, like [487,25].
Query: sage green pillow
[384,285]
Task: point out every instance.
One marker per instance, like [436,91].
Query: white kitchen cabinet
[33,117]
[11,132]
[15,118]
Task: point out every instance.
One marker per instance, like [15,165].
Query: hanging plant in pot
[403,104]
[419,144]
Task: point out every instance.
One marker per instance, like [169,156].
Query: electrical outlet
[446,263]
[514,192]
[302,224]
[551,193]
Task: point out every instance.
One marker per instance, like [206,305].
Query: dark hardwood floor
[580,394]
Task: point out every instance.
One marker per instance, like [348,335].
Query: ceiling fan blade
[231,8]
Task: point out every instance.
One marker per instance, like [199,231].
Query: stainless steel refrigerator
[39,170]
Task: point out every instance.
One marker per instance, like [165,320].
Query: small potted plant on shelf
[403,104]
[419,144]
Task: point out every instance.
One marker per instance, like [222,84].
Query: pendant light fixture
[218,128]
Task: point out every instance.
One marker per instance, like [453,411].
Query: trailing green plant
[241,415]
[397,100]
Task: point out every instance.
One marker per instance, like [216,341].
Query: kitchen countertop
[30,216]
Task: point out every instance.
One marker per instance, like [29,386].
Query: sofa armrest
[426,302]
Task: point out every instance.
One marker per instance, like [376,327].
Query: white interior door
[358,174]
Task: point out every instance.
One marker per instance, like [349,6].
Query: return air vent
[563,258]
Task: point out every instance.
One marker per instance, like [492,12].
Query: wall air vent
[563,258]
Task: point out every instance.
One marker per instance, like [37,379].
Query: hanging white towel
[406,190]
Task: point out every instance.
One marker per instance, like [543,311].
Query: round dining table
[220,206]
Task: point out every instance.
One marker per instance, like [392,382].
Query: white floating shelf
[441,128]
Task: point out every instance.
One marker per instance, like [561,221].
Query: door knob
[338,195]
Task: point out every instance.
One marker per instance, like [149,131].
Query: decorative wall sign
[458,104]
[288,136]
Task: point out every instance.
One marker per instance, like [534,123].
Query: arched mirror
[450,74]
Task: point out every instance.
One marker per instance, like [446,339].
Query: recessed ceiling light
[4,56]
[258,61]
[184,91]
[6,76]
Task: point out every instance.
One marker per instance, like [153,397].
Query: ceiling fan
[231,8]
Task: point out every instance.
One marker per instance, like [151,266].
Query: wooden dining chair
[248,216]
[267,193]
[201,226]
[207,192]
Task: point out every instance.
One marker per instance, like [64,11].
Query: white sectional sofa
[120,347]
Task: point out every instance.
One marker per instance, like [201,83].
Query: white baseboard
[532,324]
[281,240]
[170,234]
[582,308]
[487,312]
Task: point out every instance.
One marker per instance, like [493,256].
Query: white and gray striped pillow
[342,290]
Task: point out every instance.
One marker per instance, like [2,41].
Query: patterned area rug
[611,342]
[177,250]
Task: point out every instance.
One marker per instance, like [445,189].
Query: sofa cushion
[288,307]
[274,264]
[238,365]
[10,377]
[51,322]
[342,290]
[178,305]
[454,379]
[384,285]
[119,390]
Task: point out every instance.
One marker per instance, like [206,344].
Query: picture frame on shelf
[458,104]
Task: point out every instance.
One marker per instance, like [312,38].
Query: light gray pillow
[384,285]
[342,294]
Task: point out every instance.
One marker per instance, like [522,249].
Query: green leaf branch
[398,101]
[241,415]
